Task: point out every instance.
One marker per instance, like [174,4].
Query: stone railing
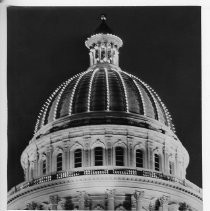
[101,171]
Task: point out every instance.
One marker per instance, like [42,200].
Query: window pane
[78,158]
[157,162]
[139,158]
[119,156]
[44,167]
[98,156]
[59,162]
[171,167]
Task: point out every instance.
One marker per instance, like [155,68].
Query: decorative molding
[138,195]
[164,200]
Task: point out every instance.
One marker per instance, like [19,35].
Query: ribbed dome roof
[104,94]
[103,87]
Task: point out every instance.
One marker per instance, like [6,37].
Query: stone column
[108,154]
[110,198]
[65,160]
[36,167]
[167,163]
[87,151]
[139,199]
[27,171]
[150,161]
[86,155]
[164,203]
[130,153]
[176,165]
[53,202]
[32,170]
[164,163]
[68,159]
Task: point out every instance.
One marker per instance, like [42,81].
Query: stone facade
[108,186]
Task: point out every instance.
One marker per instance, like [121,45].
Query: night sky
[162,46]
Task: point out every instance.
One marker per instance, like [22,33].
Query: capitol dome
[104,140]
[104,92]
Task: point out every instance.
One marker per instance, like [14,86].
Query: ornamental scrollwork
[138,195]
[164,200]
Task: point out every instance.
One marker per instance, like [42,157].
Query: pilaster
[108,154]
[87,151]
[130,154]
[150,162]
[66,157]
[176,164]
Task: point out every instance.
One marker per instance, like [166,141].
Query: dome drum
[94,179]
[107,137]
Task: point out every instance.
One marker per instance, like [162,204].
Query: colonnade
[138,202]
[104,52]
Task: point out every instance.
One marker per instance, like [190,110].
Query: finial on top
[103,17]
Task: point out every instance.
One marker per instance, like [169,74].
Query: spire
[103,27]
[103,45]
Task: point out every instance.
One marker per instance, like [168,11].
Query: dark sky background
[162,46]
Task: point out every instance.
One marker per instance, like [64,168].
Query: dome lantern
[103,45]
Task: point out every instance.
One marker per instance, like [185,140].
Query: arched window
[59,162]
[157,162]
[98,156]
[171,167]
[77,158]
[44,167]
[139,158]
[119,156]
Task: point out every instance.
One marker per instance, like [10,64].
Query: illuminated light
[107,89]
[124,88]
[163,105]
[155,103]
[59,97]
[74,89]
[90,87]
[142,99]
[44,109]
[95,38]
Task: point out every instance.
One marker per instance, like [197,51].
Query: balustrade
[100,171]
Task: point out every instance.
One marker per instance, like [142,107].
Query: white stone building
[104,140]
